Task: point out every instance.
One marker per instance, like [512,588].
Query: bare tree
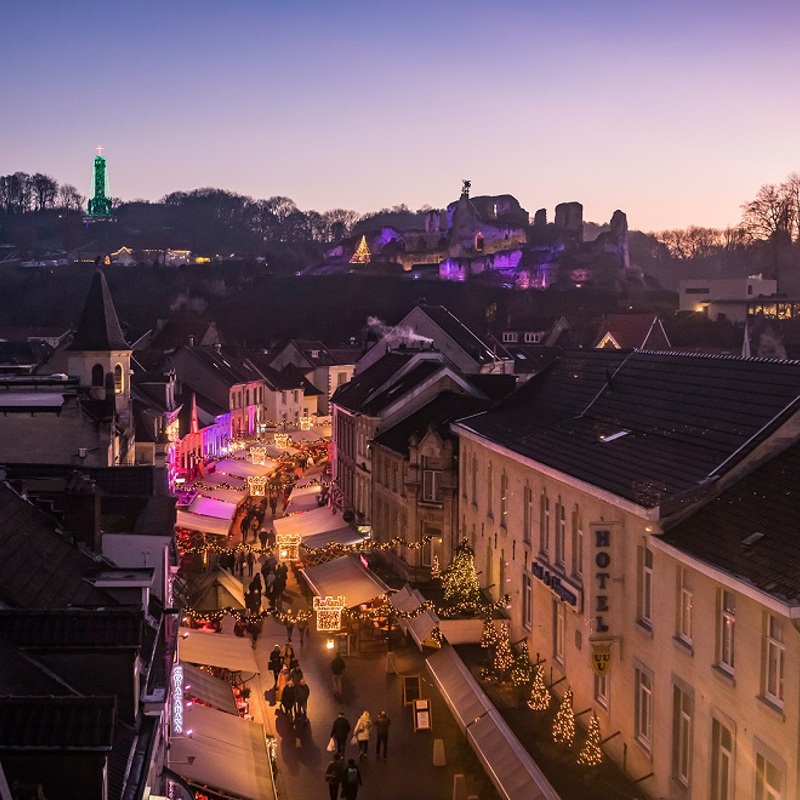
[772,215]
[69,198]
[44,190]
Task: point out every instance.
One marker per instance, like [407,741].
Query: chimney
[218,347]
[191,341]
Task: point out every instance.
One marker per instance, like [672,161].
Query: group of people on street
[291,689]
[348,776]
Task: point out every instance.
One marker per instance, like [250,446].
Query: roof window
[612,436]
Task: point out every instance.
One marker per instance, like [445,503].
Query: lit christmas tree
[362,254]
[522,669]
[503,657]
[460,581]
[489,634]
[564,722]
[540,696]
[591,755]
[436,570]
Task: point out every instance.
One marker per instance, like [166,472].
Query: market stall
[234,653]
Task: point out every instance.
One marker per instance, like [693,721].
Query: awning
[421,626]
[199,522]
[217,650]
[211,690]
[507,763]
[243,469]
[226,752]
[318,520]
[304,498]
[212,507]
[213,487]
[345,576]
[217,588]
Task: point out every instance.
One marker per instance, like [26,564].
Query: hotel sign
[602,577]
[560,586]
[177,699]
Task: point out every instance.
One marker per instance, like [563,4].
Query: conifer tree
[522,669]
[591,755]
[460,580]
[503,657]
[540,696]
[362,254]
[564,722]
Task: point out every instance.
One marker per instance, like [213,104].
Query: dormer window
[315,354]
[510,336]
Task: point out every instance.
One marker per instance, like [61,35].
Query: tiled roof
[680,418]
[351,395]
[416,375]
[345,355]
[59,723]
[115,627]
[482,350]
[634,330]
[39,567]
[21,675]
[438,414]
[177,332]
[724,532]
[98,328]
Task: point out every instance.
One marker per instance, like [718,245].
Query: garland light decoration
[540,696]
[564,722]
[329,612]
[591,755]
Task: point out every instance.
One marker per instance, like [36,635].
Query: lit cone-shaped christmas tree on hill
[460,581]
[362,254]
[540,696]
[591,755]
[564,722]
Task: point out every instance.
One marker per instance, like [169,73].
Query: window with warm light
[643,722]
[726,631]
[775,660]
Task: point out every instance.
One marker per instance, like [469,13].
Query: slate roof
[98,328]
[767,501]
[21,675]
[682,416]
[353,394]
[634,330]
[416,375]
[39,567]
[482,350]
[57,723]
[176,332]
[438,414]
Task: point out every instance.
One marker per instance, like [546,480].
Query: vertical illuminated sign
[177,699]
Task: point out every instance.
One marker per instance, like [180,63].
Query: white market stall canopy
[304,498]
[197,522]
[421,626]
[217,650]
[213,487]
[509,765]
[213,507]
[318,520]
[226,752]
[344,536]
[211,690]
[345,576]
[243,469]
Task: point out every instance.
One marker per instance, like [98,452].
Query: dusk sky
[675,112]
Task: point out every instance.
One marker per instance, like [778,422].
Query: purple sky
[675,112]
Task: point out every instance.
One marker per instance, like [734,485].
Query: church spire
[99,327]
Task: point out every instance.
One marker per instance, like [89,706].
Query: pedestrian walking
[362,732]
[334,775]
[262,538]
[255,630]
[302,629]
[339,731]
[244,526]
[282,683]
[288,656]
[288,698]
[289,628]
[240,563]
[338,666]
[273,504]
[301,694]
[275,662]
[351,780]
[251,560]
[382,723]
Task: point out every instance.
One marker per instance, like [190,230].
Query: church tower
[99,355]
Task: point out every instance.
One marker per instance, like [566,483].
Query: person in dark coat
[351,780]
[275,662]
[262,538]
[289,628]
[251,560]
[334,773]
[337,668]
[287,653]
[339,731]
[301,693]
[382,723]
[302,629]
[288,696]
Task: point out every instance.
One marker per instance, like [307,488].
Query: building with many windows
[639,509]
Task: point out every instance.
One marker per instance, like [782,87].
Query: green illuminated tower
[99,207]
